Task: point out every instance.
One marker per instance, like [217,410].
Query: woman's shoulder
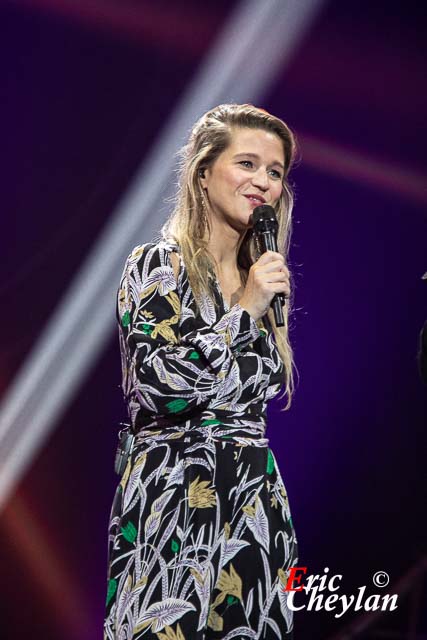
[147,256]
[154,249]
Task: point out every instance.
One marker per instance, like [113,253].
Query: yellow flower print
[200,496]
[165,330]
[147,315]
[230,583]
[215,621]
[227,530]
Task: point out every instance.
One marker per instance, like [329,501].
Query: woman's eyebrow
[256,156]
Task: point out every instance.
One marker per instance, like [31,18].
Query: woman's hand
[267,276]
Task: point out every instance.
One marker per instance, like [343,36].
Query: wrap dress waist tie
[218,425]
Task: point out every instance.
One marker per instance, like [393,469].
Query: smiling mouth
[255,200]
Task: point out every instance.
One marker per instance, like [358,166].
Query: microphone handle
[269,243]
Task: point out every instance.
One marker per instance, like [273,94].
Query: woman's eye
[246,163]
[276,174]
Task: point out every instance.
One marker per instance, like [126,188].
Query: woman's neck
[224,248]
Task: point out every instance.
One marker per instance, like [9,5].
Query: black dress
[200,535]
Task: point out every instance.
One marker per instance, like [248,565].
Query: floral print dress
[200,534]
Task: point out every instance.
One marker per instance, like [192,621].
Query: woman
[201,538]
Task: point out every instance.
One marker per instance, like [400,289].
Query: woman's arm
[169,373]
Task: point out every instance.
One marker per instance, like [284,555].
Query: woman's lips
[254,202]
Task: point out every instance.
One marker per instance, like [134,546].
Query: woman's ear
[202,176]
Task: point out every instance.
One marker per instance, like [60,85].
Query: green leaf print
[111,590]
[194,355]
[174,546]
[126,318]
[147,328]
[176,405]
[206,423]
[129,532]
[270,462]
[232,600]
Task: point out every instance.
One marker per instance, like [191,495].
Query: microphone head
[264,218]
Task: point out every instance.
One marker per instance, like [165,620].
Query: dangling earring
[204,213]
[205,221]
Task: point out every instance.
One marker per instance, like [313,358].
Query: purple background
[83,98]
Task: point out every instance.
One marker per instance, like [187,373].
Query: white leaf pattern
[275,627]
[174,380]
[133,481]
[163,277]
[232,547]
[159,504]
[176,476]
[152,524]
[286,612]
[258,524]
[207,310]
[249,602]
[202,585]
[249,633]
[165,613]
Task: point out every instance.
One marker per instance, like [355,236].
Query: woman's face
[248,173]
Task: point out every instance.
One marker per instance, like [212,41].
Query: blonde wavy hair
[210,136]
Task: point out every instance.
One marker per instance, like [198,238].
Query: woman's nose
[260,179]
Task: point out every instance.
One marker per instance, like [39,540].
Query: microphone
[265,228]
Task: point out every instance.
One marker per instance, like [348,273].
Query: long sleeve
[164,372]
